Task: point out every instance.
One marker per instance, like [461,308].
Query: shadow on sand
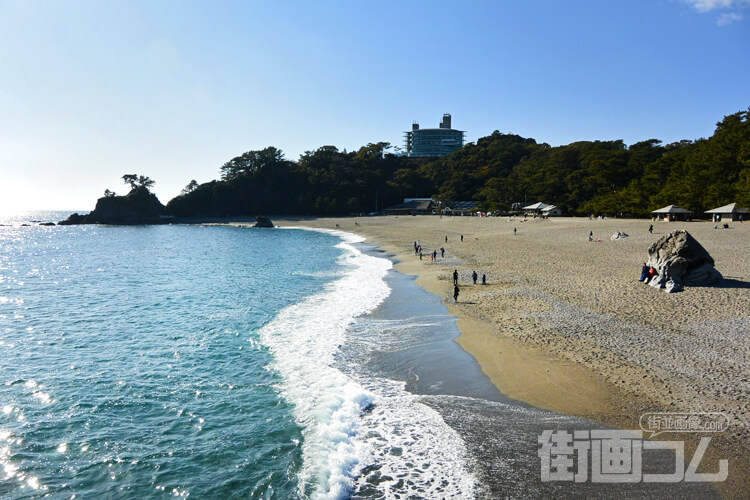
[733,283]
[726,282]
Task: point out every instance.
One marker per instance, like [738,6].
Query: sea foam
[401,445]
[304,339]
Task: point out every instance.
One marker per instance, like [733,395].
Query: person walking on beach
[484,279]
[442,252]
[515,231]
[434,255]
[455,276]
[446,238]
[462,238]
[591,235]
[416,251]
[474,276]
[455,293]
[420,254]
[650,229]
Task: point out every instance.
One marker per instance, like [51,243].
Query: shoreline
[527,358]
[417,345]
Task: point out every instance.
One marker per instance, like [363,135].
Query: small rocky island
[139,206]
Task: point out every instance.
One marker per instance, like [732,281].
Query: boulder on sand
[680,260]
[619,235]
[263,221]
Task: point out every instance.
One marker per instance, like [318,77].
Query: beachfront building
[461,208]
[413,206]
[542,209]
[729,212]
[672,213]
[433,142]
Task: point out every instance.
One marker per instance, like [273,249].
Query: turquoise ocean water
[190,361]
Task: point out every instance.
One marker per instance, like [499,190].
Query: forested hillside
[606,177]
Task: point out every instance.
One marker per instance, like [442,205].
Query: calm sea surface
[184,360]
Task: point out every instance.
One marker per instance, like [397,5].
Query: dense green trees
[499,170]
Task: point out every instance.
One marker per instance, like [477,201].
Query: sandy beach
[563,323]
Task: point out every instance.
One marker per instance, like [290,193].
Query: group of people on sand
[433,254]
[474,277]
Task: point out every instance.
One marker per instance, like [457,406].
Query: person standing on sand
[442,252]
[650,229]
[474,276]
[462,238]
[484,279]
[515,231]
[591,235]
[420,255]
[446,238]
[455,276]
[455,293]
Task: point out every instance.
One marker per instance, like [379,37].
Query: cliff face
[140,206]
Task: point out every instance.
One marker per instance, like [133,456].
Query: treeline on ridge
[603,177]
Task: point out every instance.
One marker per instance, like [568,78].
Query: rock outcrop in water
[140,206]
[681,260]
[263,221]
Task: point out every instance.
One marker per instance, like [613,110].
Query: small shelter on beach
[461,208]
[551,211]
[413,206]
[672,213]
[542,209]
[730,212]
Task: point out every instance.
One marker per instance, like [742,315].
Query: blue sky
[91,90]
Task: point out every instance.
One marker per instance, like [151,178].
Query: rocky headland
[139,206]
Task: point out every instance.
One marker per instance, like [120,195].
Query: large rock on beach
[681,260]
[263,221]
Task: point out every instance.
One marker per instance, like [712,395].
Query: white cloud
[729,18]
[708,5]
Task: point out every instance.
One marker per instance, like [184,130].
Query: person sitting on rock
[644,273]
[651,274]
